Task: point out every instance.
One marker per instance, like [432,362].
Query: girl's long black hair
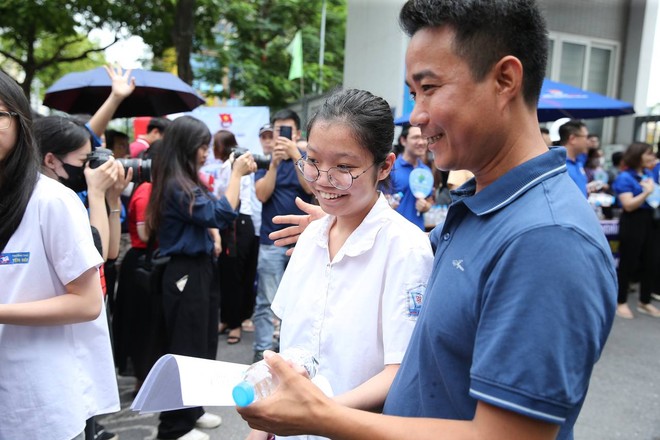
[19,170]
[176,165]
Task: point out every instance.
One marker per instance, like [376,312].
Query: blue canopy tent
[560,100]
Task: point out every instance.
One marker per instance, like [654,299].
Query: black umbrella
[155,94]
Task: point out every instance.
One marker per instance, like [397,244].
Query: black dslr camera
[262,160]
[141,167]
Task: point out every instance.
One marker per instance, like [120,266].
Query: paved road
[623,400]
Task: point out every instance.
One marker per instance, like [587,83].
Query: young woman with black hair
[57,368]
[181,211]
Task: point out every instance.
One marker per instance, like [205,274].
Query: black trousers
[190,311]
[237,266]
[639,236]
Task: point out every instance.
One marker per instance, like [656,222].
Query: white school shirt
[356,313]
[52,378]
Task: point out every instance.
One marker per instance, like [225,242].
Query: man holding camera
[277,188]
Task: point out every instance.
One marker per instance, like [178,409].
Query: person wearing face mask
[64,144]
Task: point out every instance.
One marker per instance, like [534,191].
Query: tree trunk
[184,30]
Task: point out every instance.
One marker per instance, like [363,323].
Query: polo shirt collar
[404,163]
[513,184]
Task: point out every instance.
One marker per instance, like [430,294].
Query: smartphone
[285,131]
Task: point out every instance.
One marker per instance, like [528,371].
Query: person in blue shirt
[277,189]
[180,212]
[639,232]
[414,150]
[522,294]
[573,136]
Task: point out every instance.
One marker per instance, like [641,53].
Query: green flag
[295,49]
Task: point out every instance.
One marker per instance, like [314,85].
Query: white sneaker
[655,297]
[194,435]
[208,421]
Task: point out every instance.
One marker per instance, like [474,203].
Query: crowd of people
[417,334]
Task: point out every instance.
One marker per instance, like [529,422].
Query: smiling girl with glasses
[354,286]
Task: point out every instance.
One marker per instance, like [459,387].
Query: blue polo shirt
[518,306]
[283,199]
[628,182]
[400,177]
[184,231]
[576,172]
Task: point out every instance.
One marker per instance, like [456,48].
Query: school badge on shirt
[415,298]
[14,258]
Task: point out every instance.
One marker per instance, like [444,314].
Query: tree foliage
[239,44]
[250,48]
[41,37]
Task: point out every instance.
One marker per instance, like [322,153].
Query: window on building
[588,64]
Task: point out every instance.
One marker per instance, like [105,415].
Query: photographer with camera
[65,147]
[237,262]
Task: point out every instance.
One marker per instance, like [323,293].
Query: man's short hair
[286,114]
[486,31]
[572,127]
[159,124]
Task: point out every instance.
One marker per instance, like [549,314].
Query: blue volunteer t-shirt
[576,172]
[400,177]
[508,317]
[628,181]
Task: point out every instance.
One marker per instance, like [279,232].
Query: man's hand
[290,235]
[290,410]
[422,205]
[121,85]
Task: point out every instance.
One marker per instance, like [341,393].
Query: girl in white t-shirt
[57,369]
[354,286]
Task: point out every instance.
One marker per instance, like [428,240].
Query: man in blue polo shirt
[573,135]
[522,294]
[277,188]
[414,149]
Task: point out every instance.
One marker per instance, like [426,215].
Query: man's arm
[265,186]
[299,407]
[122,87]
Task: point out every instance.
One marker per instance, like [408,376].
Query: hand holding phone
[285,131]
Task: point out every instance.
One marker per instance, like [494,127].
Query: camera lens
[141,169]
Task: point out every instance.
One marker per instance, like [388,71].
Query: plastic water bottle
[259,383]
[395,199]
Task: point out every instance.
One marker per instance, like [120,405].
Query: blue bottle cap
[243,394]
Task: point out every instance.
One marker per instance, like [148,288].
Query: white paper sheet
[177,382]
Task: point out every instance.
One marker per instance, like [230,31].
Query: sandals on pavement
[234,339]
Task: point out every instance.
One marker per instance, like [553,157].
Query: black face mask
[76,180]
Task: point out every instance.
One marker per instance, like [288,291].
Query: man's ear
[508,76]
